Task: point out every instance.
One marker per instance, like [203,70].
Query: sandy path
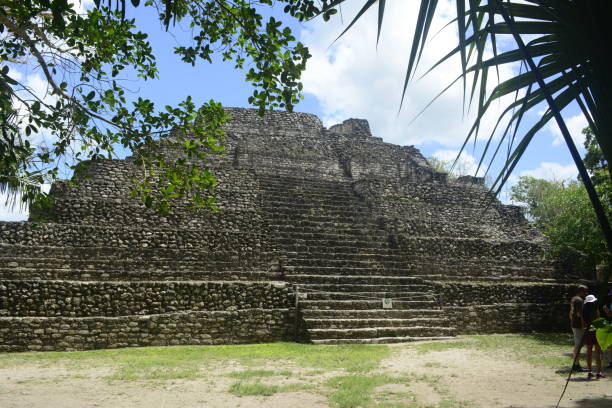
[30,387]
[500,381]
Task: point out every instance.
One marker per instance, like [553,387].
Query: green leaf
[604,337]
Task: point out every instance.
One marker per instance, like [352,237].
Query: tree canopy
[84,113]
[562,210]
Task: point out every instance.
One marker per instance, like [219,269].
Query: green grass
[251,374]
[195,361]
[351,391]
[131,372]
[242,389]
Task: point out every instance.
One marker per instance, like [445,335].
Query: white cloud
[466,165]
[12,209]
[354,79]
[575,124]
[552,171]
[35,88]
[10,212]
[81,5]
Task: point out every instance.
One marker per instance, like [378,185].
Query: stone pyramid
[324,235]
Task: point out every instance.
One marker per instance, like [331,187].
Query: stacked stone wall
[277,122]
[195,328]
[102,197]
[89,299]
[509,318]
[487,307]
[75,235]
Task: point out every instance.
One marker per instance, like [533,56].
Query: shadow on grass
[550,339]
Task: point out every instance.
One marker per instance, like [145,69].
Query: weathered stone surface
[202,328]
[337,213]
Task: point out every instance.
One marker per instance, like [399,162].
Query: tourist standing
[590,312]
[608,315]
[577,324]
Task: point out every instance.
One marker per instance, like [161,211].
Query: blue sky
[354,78]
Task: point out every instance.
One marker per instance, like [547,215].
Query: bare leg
[598,358]
[576,354]
[589,356]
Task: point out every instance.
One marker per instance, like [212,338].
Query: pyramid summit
[324,235]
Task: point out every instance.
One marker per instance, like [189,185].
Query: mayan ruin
[327,236]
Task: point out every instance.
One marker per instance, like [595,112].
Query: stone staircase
[343,266]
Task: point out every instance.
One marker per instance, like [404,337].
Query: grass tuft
[251,374]
[242,389]
[352,391]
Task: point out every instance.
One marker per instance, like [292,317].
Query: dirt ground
[499,381]
[451,378]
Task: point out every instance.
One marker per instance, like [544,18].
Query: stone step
[415,287]
[394,255]
[378,332]
[371,228]
[339,323]
[376,314]
[314,183]
[322,206]
[356,233]
[338,251]
[272,211]
[288,221]
[427,272]
[329,263]
[380,340]
[348,271]
[467,248]
[329,209]
[497,278]
[134,275]
[359,256]
[290,198]
[365,304]
[311,295]
[296,192]
[339,244]
[352,279]
[274,179]
[294,228]
[382,256]
[319,217]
